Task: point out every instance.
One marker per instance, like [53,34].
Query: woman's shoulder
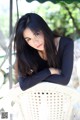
[63,41]
[66,40]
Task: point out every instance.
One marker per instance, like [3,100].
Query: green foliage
[63,18]
[56,1]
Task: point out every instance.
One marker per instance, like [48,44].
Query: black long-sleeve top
[65,55]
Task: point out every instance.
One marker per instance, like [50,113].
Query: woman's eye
[36,34]
[28,39]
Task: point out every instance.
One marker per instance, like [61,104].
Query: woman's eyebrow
[26,37]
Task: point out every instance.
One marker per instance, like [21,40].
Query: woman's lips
[39,45]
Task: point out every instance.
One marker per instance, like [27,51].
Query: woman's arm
[29,81]
[67,66]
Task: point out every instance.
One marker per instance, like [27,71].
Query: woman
[41,56]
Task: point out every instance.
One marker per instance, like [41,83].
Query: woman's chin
[40,49]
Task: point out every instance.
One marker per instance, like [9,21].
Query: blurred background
[63,18]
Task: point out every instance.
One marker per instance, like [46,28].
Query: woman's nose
[36,40]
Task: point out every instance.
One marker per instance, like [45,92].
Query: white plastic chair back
[48,101]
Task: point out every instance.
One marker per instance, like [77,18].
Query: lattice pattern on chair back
[47,101]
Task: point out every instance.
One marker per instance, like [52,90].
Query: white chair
[48,101]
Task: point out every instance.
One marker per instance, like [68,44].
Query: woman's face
[34,39]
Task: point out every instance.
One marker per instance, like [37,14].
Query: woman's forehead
[27,32]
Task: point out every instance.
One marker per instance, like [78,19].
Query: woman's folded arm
[67,66]
[29,81]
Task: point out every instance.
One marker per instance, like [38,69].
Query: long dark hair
[25,54]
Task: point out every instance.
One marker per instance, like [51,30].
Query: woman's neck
[42,55]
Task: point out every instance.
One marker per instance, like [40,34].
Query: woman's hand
[54,71]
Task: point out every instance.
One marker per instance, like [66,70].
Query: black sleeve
[67,66]
[29,81]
